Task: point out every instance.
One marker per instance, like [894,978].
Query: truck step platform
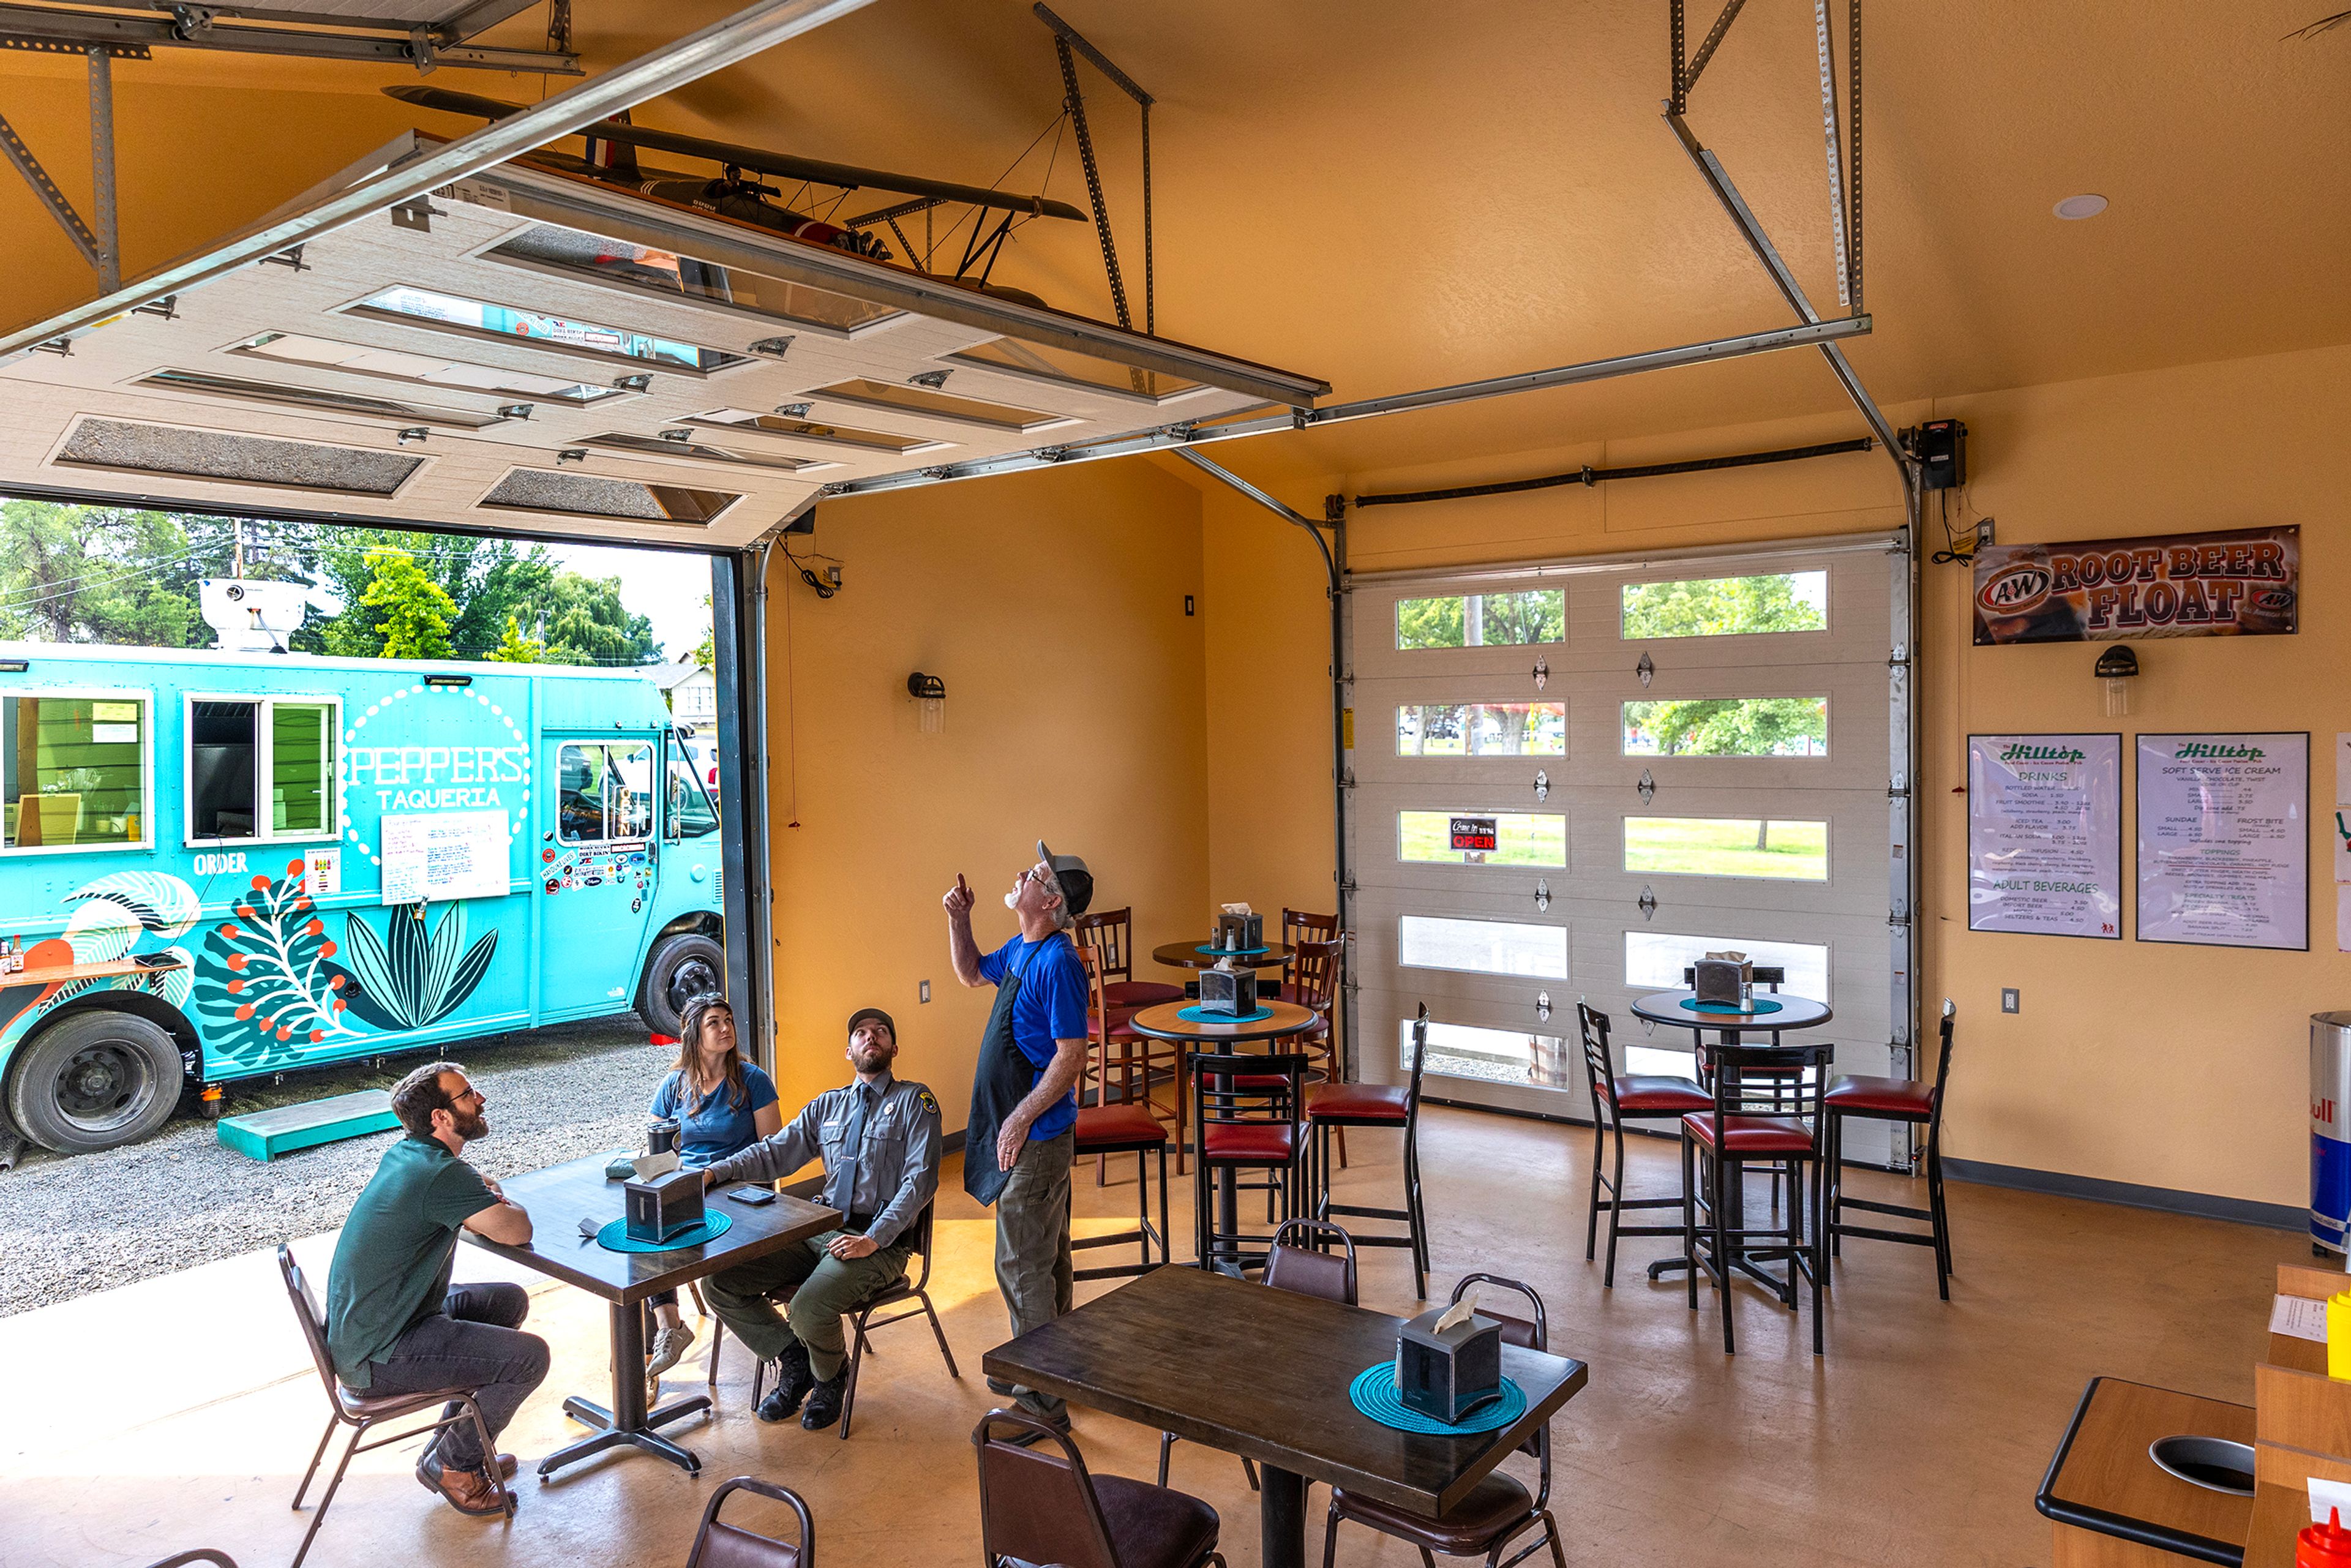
[266,1134]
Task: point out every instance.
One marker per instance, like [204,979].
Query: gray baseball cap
[1077,881]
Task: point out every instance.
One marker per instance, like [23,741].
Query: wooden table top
[1264,1373]
[1795,1012]
[1162,1022]
[560,1197]
[1186,955]
[2102,1466]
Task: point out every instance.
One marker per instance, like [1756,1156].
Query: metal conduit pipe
[1334,574]
[1590,475]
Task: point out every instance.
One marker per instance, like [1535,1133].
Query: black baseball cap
[1077,881]
[861,1014]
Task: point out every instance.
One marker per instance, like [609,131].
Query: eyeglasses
[1048,878]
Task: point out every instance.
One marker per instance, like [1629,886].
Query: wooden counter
[2113,1507]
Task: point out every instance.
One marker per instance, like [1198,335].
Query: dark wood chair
[1333,1108]
[1719,1142]
[1299,926]
[1499,1508]
[862,1322]
[361,1412]
[1249,1110]
[1116,1052]
[1300,1261]
[1103,1131]
[1894,1100]
[721,1545]
[1110,935]
[1039,1503]
[1618,1098]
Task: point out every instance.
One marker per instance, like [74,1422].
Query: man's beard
[472,1128]
[871,1060]
[1012,901]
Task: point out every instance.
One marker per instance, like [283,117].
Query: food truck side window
[73,771]
[604,792]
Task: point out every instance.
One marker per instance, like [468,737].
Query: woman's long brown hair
[689,1050]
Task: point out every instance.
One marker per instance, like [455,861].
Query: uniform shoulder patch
[929,1104]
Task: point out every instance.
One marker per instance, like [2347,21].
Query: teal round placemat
[1374,1394]
[1760,1005]
[615,1237]
[1193,1015]
[1236,952]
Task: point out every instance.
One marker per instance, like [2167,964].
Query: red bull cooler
[2330,1129]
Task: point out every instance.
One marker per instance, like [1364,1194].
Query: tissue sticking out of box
[1732,957]
[1238,909]
[651,1166]
[1460,1312]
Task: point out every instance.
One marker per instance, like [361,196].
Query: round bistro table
[1187,956]
[1163,1023]
[1794,1012]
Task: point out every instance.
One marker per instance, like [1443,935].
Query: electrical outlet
[924,991]
[1187,604]
[2011,1000]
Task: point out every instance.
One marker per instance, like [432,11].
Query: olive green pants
[1033,1248]
[822,1287]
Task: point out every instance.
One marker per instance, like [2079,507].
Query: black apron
[1004,1078]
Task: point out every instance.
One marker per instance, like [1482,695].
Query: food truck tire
[681,967]
[96,1078]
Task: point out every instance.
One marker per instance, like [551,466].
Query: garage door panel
[1503,1055]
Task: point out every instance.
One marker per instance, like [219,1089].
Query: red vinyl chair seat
[1358,1102]
[1900,1098]
[1129,995]
[1642,1093]
[1269,1143]
[1117,1129]
[1752,1136]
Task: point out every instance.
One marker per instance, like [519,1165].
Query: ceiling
[1394,204]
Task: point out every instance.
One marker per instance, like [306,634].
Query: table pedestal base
[627,1421]
[1282,1516]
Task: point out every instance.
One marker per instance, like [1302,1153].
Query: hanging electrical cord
[824,588]
[1959,550]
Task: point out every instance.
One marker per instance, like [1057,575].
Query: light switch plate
[2011,1000]
[924,991]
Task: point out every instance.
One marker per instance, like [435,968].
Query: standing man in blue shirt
[1024,1102]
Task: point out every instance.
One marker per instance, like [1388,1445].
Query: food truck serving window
[606,792]
[74,771]
[261,767]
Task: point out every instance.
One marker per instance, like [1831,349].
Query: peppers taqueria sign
[2244,582]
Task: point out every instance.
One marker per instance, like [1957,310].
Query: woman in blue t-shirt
[722,1105]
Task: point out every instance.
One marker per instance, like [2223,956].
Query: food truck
[219,865]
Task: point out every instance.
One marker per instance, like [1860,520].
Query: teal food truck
[222,865]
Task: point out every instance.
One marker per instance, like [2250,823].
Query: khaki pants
[823,1288]
[1033,1248]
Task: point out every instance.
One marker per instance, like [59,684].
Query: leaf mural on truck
[110,917]
[263,986]
[407,980]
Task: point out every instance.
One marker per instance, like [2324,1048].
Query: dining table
[1765,1013]
[569,1204]
[1265,1374]
[1202,952]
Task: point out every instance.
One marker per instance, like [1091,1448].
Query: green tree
[705,653]
[103,574]
[414,612]
[586,623]
[1482,620]
[489,582]
[514,648]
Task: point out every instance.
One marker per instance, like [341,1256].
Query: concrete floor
[179,1411]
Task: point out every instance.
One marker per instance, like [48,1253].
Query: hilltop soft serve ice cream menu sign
[2045,834]
[2224,840]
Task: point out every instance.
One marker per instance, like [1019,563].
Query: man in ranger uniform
[879,1141]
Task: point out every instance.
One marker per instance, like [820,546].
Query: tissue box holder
[1447,1376]
[659,1208]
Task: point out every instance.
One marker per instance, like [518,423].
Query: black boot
[794,1378]
[824,1401]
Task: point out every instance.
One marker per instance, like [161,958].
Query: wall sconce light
[2117,666]
[931,692]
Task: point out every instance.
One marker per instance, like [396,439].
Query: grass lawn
[1519,839]
[1707,846]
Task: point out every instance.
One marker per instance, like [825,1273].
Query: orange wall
[1052,605]
[2168,1066]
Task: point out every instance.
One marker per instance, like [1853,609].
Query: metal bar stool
[1249,1110]
[1106,1130]
[1337,1106]
[1894,1100]
[1618,1098]
[1727,1137]
[1116,1052]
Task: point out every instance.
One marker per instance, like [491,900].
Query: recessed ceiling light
[2082,206]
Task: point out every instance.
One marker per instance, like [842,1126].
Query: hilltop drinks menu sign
[2224,840]
[2045,834]
[2244,582]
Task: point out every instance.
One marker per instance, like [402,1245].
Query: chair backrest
[1097,997]
[1419,1067]
[1248,1087]
[1291,1263]
[1796,1075]
[718,1545]
[314,1322]
[1109,934]
[1037,1503]
[1599,1067]
[1770,977]
[922,1230]
[1942,1071]
[1315,972]
[1526,1333]
[1298,926]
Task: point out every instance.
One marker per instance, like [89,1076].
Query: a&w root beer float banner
[2244,582]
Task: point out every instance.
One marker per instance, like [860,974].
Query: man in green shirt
[393,1323]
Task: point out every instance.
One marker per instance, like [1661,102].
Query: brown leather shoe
[467,1491]
[508,1465]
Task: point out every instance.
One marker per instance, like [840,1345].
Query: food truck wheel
[682,968]
[93,1080]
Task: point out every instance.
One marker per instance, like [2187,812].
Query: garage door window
[1495,1055]
[1482,729]
[1727,606]
[1727,846]
[1654,960]
[1727,727]
[1519,839]
[1482,620]
[1482,946]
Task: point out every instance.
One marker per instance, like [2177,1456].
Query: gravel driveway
[73,1224]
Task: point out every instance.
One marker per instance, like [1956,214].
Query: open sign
[1473,832]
